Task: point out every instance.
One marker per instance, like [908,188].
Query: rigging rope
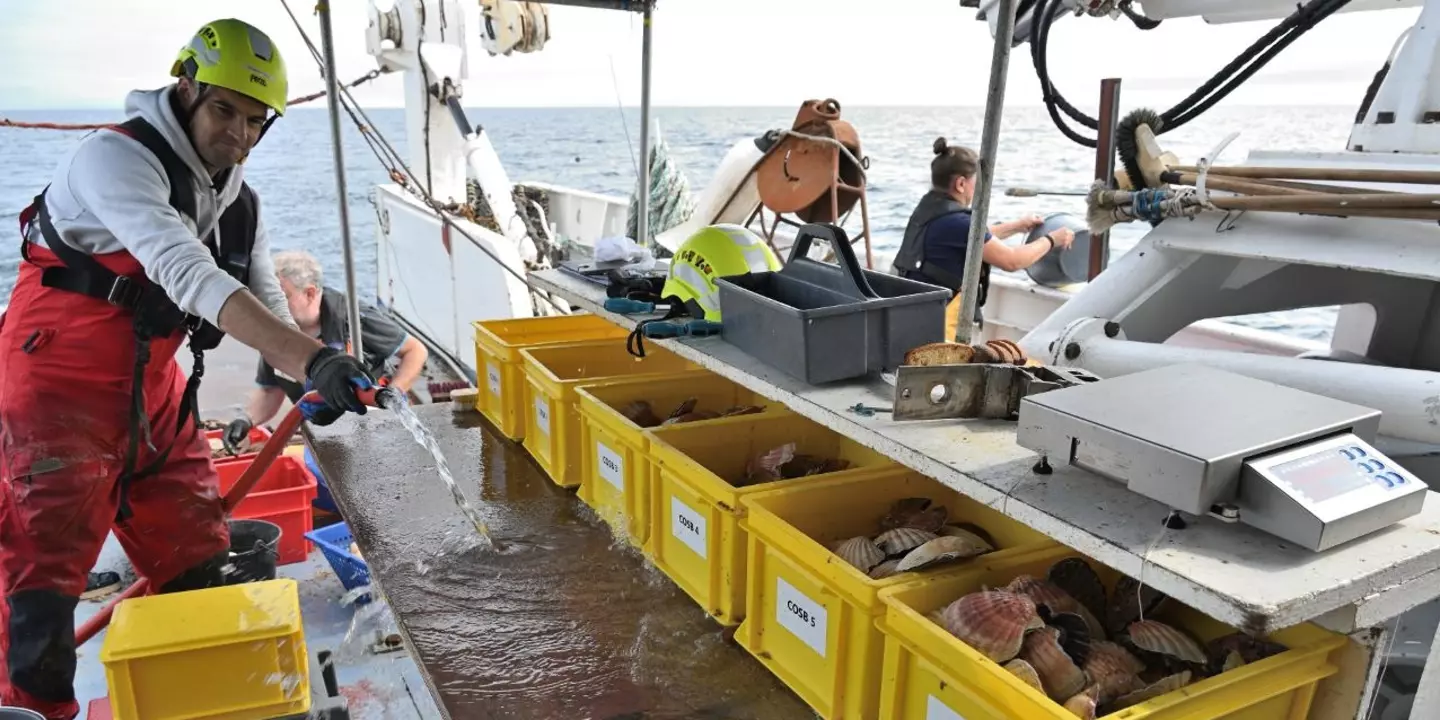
[24,125]
[382,148]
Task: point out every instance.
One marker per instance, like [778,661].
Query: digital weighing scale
[1205,441]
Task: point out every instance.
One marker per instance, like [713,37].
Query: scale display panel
[1334,472]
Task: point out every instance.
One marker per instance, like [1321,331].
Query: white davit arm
[511,26]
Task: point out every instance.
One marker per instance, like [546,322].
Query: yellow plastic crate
[552,416]
[930,673]
[811,615]
[503,397]
[236,652]
[617,469]
[695,512]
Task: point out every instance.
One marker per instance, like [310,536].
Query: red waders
[82,454]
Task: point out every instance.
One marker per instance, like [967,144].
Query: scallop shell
[885,569]
[1113,669]
[1047,593]
[1125,608]
[1243,648]
[993,622]
[1165,685]
[963,528]
[1159,638]
[941,549]
[640,413]
[1074,633]
[902,540]
[971,537]
[1059,674]
[901,510]
[1026,672]
[1080,581]
[1083,703]
[860,552]
[686,407]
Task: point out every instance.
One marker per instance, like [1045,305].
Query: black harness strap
[155,314]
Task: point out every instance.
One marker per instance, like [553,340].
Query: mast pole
[332,92]
[642,224]
[989,145]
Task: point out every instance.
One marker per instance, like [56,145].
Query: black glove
[336,376]
[236,434]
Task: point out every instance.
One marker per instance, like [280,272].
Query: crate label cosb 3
[611,467]
[687,526]
[803,617]
[493,373]
[542,414]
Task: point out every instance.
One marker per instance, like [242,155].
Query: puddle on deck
[563,621]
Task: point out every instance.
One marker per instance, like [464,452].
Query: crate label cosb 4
[936,710]
[687,526]
[803,617]
[542,414]
[611,467]
[493,373]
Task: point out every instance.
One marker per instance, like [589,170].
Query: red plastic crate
[282,496]
[258,437]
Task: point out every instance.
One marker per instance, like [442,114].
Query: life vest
[155,315]
[910,259]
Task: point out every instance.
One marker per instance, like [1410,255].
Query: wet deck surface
[563,621]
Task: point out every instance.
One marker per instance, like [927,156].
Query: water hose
[378,396]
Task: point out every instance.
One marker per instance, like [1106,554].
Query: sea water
[426,440]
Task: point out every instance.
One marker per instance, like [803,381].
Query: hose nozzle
[385,398]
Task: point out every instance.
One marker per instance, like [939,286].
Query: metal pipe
[642,224]
[989,145]
[1105,165]
[332,92]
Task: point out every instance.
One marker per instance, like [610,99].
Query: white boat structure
[457,238]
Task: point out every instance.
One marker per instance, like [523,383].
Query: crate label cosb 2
[542,414]
[493,373]
[936,710]
[611,467]
[803,617]
[687,526]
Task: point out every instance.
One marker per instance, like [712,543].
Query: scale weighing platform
[1294,464]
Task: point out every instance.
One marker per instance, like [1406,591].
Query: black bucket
[254,547]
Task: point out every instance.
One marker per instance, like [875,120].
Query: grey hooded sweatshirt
[111,194]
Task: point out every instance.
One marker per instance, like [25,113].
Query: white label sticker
[936,710]
[542,413]
[802,616]
[687,525]
[493,373]
[611,467]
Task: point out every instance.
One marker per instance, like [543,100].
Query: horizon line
[384,106]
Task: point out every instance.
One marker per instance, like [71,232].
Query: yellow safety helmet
[714,252]
[235,55]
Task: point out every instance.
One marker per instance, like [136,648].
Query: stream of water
[426,440]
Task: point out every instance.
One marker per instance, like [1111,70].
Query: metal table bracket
[991,391]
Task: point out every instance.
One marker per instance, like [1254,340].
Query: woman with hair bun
[938,233]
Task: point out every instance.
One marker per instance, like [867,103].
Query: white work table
[1231,572]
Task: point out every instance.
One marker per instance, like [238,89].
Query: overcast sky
[88,53]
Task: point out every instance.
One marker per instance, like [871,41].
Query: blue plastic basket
[334,541]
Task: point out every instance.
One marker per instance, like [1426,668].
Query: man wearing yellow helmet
[147,235]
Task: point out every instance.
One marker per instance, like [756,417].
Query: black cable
[1175,117]
[1221,84]
[1142,22]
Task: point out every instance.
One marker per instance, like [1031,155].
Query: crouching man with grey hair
[321,312]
